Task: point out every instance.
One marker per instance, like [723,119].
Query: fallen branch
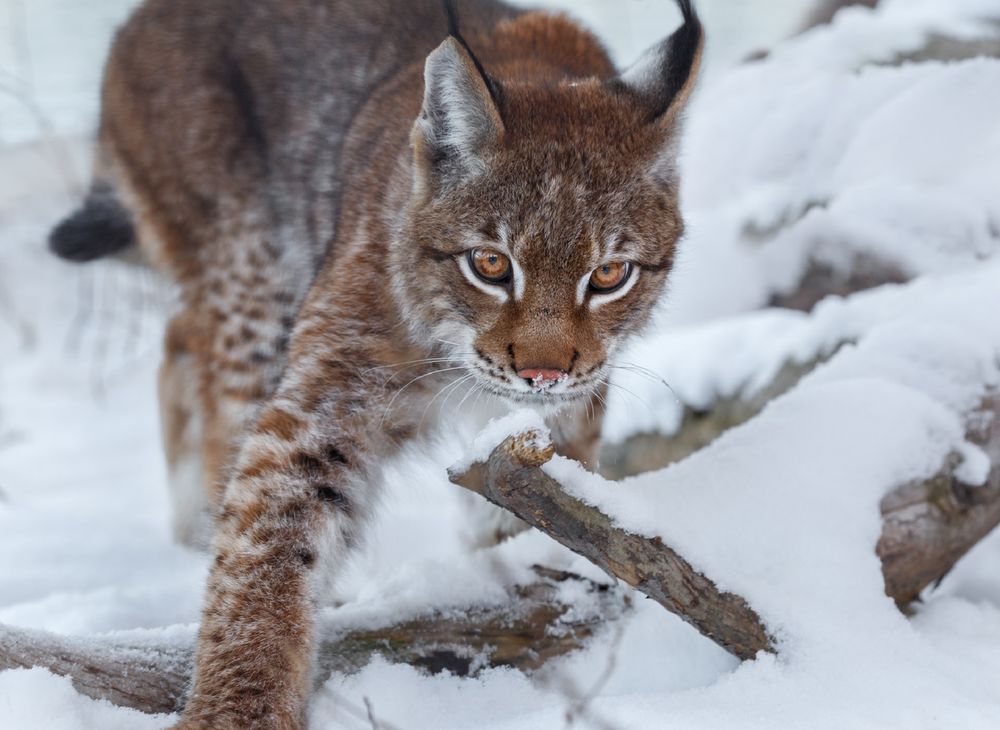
[826,10]
[152,676]
[512,478]
[821,280]
[927,527]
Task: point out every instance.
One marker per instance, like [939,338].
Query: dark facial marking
[331,495]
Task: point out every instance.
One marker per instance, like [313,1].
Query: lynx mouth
[566,391]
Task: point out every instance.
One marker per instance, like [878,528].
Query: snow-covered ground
[811,155]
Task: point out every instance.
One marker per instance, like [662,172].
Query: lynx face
[543,223]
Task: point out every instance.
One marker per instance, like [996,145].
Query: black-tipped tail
[100,227]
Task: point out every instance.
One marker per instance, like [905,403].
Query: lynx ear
[460,118]
[665,74]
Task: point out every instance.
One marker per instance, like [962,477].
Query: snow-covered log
[512,478]
[151,673]
[927,527]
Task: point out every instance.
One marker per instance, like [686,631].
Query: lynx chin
[362,207]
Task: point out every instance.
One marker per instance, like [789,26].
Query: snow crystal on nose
[541,383]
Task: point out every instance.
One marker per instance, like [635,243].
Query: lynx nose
[542,378]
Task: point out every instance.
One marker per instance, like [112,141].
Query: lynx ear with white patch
[460,118]
[665,76]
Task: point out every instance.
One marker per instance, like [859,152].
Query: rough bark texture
[512,479]
[927,528]
[533,628]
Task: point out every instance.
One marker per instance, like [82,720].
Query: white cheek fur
[581,289]
[518,274]
[597,300]
[494,291]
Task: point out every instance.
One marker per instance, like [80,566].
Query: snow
[34,698]
[809,155]
[521,420]
[812,155]
[936,322]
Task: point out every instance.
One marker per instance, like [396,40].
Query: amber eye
[610,276]
[491,266]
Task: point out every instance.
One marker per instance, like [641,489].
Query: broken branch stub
[928,526]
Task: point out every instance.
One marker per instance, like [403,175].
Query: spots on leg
[279,423]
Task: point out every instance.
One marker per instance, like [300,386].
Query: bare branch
[512,478]
[533,628]
[927,527]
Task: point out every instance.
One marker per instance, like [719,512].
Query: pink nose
[542,377]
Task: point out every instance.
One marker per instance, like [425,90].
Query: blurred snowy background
[868,144]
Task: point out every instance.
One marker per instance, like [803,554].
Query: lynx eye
[490,265]
[608,277]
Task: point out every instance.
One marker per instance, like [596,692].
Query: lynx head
[544,215]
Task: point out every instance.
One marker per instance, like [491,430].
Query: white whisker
[419,377]
[629,392]
[422,361]
[450,387]
[458,408]
[648,374]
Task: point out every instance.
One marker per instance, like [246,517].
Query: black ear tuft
[666,73]
[492,85]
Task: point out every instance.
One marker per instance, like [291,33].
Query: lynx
[345,192]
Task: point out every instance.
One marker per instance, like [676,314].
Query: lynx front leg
[302,486]
[300,491]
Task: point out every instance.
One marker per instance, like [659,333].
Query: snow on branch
[152,673]
[512,478]
[927,527]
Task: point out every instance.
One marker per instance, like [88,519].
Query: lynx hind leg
[248,301]
[181,430]
[224,356]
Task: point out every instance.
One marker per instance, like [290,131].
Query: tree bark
[512,478]
[927,527]
[535,626]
